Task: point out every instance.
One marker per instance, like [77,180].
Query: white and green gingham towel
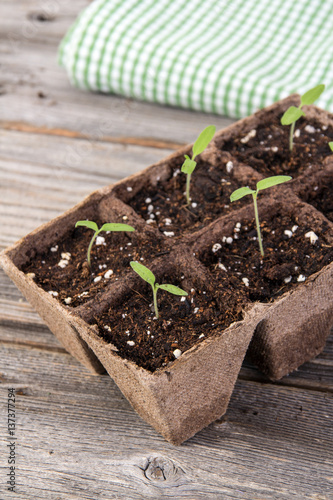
[229,57]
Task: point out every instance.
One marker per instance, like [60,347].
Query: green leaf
[272,181]
[116,227]
[188,166]
[173,289]
[312,95]
[203,140]
[87,223]
[143,272]
[240,193]
[331,145]
[291,115]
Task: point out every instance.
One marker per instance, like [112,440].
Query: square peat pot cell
[294,279]
[261,142]
[158,193]
[178,371]
[50,266]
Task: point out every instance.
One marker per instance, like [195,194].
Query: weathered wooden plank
[42,175]
[37,21]
[79,438]
[35,91]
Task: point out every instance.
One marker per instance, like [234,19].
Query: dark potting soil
[183,322]
[63,271]
[290,257]
[268,150]
[320,196]
[165,205]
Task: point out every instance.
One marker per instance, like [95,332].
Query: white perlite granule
[100,240]
[245,281]
[313,237]
[229,166]
[249,136]
[177,353]
[216,247]
[108,274]
[65,257]
[310,129]
[63,263]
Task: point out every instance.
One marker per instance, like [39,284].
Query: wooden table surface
[77,436]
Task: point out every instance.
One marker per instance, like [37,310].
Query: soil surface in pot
[320,196]
[63,271]
[183,322]
[290,257]
[267,150]
[164,206]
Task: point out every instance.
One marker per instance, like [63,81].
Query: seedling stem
[256,215]
[263,184]
[198,147]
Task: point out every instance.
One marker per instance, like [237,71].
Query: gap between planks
[60,132]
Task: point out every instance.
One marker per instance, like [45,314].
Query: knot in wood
[41,16]
[160,469]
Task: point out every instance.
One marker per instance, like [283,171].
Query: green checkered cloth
[228,57]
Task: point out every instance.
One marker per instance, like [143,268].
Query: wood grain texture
[78,437]
[37,187]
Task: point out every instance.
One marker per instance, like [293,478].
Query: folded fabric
[229,57]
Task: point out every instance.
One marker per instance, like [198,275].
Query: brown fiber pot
[192,391]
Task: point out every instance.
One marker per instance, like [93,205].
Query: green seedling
[331,145]
[106,227]
[198,147]
[293,113]
[263,184]
[149,277]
